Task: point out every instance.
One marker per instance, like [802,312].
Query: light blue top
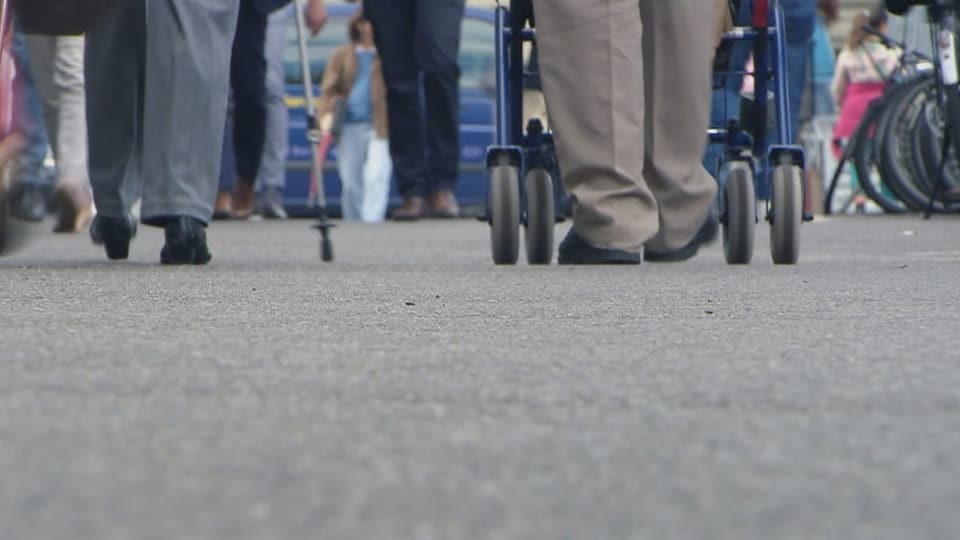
[359,104]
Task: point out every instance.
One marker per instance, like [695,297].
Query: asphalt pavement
[412,390]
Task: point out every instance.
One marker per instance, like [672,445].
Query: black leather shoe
[706,235]
[28,202]
[576,250]
[186,242]
[114,234]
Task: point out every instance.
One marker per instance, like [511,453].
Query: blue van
[477,88]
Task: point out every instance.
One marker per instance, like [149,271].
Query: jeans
[29,121]
[363,161]
[418,41]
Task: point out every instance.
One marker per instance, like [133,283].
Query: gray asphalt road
[413,390]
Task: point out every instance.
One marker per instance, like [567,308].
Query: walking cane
[315,138]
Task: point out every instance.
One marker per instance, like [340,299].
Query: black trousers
[418,42]
[248,80]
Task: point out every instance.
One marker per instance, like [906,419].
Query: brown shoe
[411,210]
[73,208]
[443,204]
[243,199]
[221,208]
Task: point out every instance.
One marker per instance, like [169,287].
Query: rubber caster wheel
[504,212]
[740,214]
[787,214]
[541,217]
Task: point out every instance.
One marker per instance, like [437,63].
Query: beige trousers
[628,88]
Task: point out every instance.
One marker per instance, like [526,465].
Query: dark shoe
[28,202]
[271,204]
[443,205]
[114,234]
[244,198]
[73,208]
[186,242]
[706,235]
[576,250]
[221,207]
[411,210]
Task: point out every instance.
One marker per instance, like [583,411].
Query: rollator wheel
[787,200]
[504,210]
[541,217]
[740,215]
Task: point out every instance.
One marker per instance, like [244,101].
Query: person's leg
[595,99]
[228,171]
[114,74]
[678,46]
[71,132]
[394,28]
[351,155]
[376,179]
[58,62]
[271,177]
[30,179]
[248,72]
[185,104]
[437,44]
[800,21]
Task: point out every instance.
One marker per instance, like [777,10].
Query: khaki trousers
[628,87]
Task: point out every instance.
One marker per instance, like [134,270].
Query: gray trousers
[157,74]
[273,165]
[628,87]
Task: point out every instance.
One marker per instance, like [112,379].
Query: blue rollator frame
[746,141]
[519,150]
[524,187]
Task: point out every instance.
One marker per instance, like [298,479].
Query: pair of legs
[31,183]
[244,133]
[56,64]
[420,40]
[363,161]
[156,106]
[627,85]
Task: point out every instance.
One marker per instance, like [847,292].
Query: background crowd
[390,96]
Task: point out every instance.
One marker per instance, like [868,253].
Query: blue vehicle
[477,89]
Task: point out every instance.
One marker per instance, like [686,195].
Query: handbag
[60,17]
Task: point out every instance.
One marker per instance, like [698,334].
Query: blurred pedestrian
[56,63]
[418,40]
[30,183]
[353,82]
[156,104]
[628,89]
[823,60]
[272,175]
[248,84]
[863,68]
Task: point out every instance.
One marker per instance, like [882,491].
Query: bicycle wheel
[928,149]
[894,152]
[867,169]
